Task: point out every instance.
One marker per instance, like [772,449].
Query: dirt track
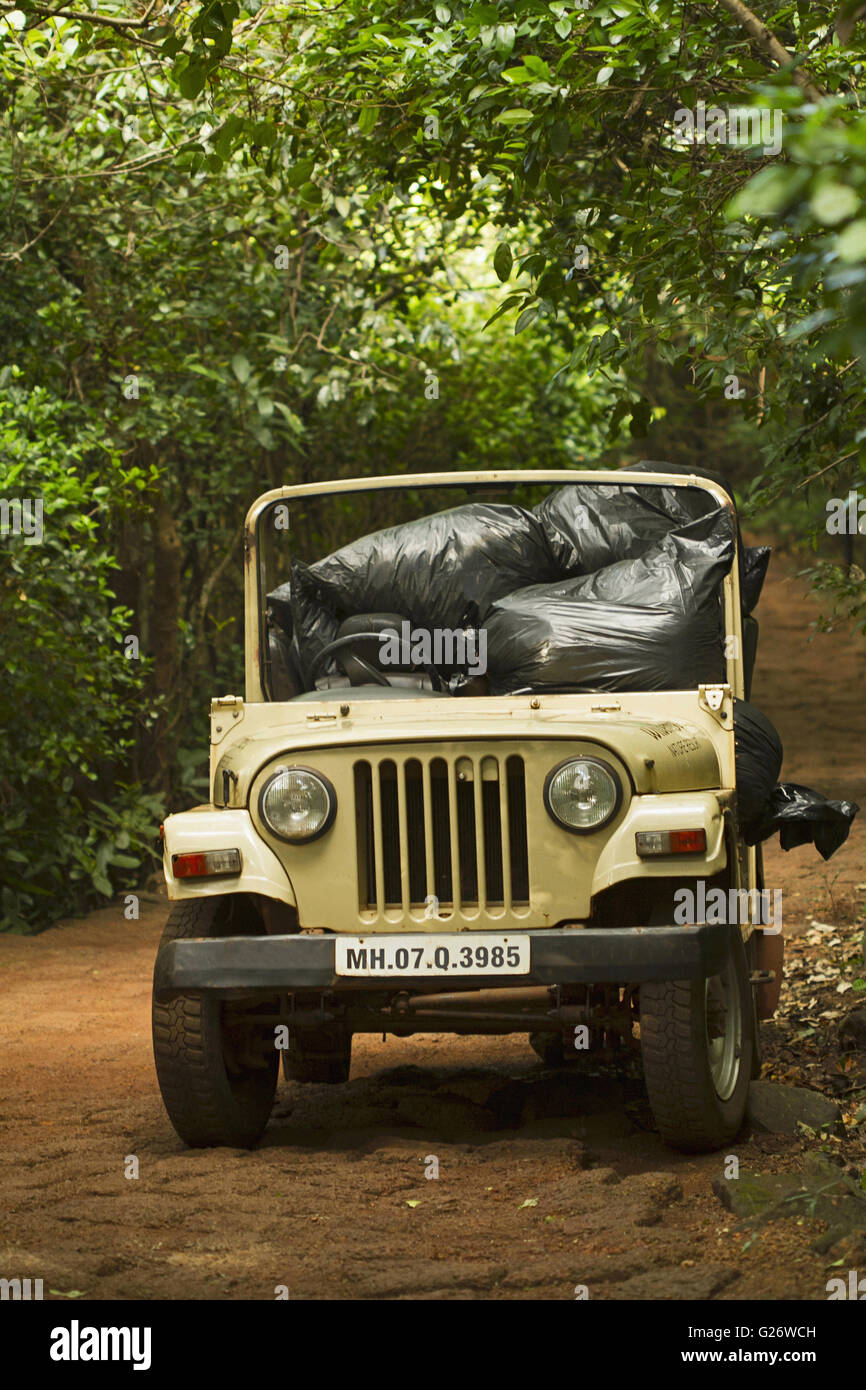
[334,1202]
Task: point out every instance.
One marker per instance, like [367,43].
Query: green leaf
[506,304]
[537,66]
[300,172]
[125,861]
[516,115]
[560,138]
[851,244]
[503,260]
[553,188]
[191,78]
[519,74]
[241,368]
[809,324]
[833,202]
[367,119]
[769,192]
[603,76]
[529,315]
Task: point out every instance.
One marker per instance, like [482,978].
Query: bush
[69,699]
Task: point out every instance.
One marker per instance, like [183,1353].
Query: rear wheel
[697,1040]
[215,1061]
[320,1054]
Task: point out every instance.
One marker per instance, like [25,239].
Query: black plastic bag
[590,526]
[758,761]
[439,571]
[280,603]
[649,623]
[753,559]
[803,816]
[315,624]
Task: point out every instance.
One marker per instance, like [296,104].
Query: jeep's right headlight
[298,804]
[583,794]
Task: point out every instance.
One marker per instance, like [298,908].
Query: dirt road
[336,1201]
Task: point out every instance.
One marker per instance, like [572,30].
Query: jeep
[393,846]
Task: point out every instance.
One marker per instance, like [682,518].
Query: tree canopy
[247,243]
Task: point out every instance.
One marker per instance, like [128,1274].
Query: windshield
[471,588]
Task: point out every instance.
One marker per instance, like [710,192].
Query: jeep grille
[427,826]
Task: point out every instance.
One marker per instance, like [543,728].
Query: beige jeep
[380,855]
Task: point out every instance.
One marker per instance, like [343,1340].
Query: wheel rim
[724,1031]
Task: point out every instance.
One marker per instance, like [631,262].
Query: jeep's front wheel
[215,1062]
[697,1041]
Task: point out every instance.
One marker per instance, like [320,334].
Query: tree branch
[769,44]
[93,18]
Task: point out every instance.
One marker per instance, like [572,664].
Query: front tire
[216,1067]
[697,1041]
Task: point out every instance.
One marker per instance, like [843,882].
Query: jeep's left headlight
[298,804]
[582,794]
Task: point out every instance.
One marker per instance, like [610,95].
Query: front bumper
[588,955]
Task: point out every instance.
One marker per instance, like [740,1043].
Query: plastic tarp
[652,622]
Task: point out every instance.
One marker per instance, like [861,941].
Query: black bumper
[588,955]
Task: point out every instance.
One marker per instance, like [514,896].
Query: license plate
[479,953]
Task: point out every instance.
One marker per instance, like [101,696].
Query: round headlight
[582,794]
[298,804]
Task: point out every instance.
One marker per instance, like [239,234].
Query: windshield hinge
[715,698]
[226,712]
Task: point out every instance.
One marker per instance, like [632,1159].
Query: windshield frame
[255,623]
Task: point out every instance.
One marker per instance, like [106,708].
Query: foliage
[69,700]
[243,243]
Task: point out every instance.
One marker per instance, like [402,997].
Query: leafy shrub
[69,698]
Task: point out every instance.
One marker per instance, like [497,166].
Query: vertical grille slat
[454,838]
[451,827]
[478,817]
[517,829]
[505,835]
[403,833]
[442,860]
[416,832]
[378,854]
[430,888]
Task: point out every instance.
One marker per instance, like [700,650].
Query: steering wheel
[378,677]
